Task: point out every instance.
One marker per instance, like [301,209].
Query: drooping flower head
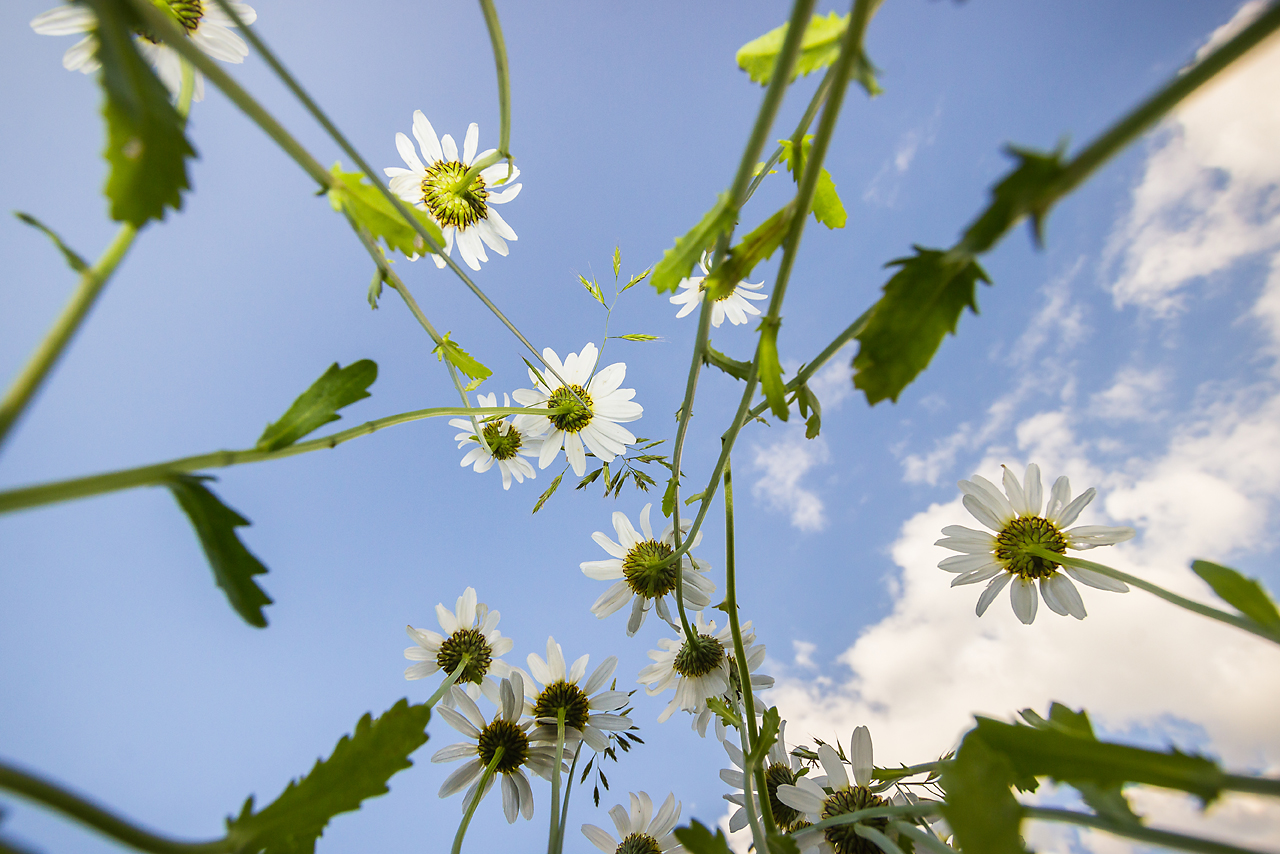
[699,666]
[732,697]
[203,21]
[504,444]
[1018,525]
[641,831]
[587,718]
[644,578]
[433,184]
[471,635]
[598,408]
[733,305]
[818,799]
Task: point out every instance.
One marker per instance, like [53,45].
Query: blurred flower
[638,562]
[464,212]
[586,718]
[597,424]
[203,21]
[698,666]
[733,305]
[1018,524]
[640,830]
[506,443]
[471,630]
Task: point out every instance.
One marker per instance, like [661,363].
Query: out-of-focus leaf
[234,566]
[359,769]
[74,261]
[810,410]
[366,205]
[1025,191]
[921,303]
[147,148]
[542,499]
[697,839]
[981,810]
[337,387]
[1246,594]
[678,261]
[780,843]
[462,360]
[732,367]
[741,259]
[818,49]
[769,368]
[827,207]
[375,288]
[1106,800]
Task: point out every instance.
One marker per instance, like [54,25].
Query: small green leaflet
[669,498]
[808,402]
[1028,190]
[463,361]
[1246,594]
[74,260]
[770,369]
[921,303]
[827,207]
[769,724]
[818,49]
[741,259]
[678,261]
[233,565]
[147,148]
[359,769]
[375,287]
[542,499]
[983,814]
[732,367]
[370,210]
[337,387]
[697,839]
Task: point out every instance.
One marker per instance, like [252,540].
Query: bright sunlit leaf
[770,369]
[827,207]
[818,49]
[463,361]
[370,210]
[1246,594]
[678,261]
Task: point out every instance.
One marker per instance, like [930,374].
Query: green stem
[802,127]
[1240,622]
[568,787]
[881,841]
[922,838]
[1163,838]
[1256,785]
[449,681]
[158,473]
[555,832]
[749,804]
[504,77]
[475,802]
[89,814]
[920,809]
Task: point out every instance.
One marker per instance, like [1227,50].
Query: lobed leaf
[74,260]
[357,770]
[732,367]
[827,207]
[147,148]
[337,387]
[1025,191]
[770,722]
[697,839]
[981,810]
[1246,594]
[370,210]
[462,360]
[921,303]
[1106,800]
[678,261]
[769,369]
[741,259]
[233,565]
[818,49]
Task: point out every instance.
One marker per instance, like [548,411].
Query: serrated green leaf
[233,565]
[1025,191]
[770,722]
[366,205]
[147,148]
[769,369]
[337,387]
[981,810]
[375,288]
[678,261]
[818,49]
[921,303]
[1106,800]
[732,367]
[741,259]
[827,207]
[462,360]
[697,839]
[74,260]
[1246,594]
[636,336]
[542,499]
[357,770]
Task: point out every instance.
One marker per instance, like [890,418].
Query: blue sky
[1136,352]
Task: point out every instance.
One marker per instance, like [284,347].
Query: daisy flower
[586,718]
[597,425]
[700,669]
[470,630]
[637,562]
[1018,523]
[781,769]
[733,696]
[641,831]
[733,305]
[507,731]
[463,212]
[203,21]
[504,443]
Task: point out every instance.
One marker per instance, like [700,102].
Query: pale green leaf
[371,210]
[982,811]
[337,388]
[769,368]
[818,49]
[678,261]
[462,360]
[827,207]
[697,839]
[1246,594]
[742,258]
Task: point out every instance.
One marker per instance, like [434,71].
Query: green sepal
[371,210]
[233,565]
[1026,191]
[542,499]
[921,304]
[678,261]
[463,361]
[147,148]
[981,810]
[827,207]
[357,770]
[73,258]
[1246,594]
[741,259]
[697,839]
[337,387]
[732,367]
[769,369]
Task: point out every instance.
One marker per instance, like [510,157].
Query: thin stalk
[881,841]
[158,473]
[1240,622]
[504,77]
[922,838]
[564,809]
[93,816]
[856,816]
[556,831]
[448,682]
[1163,838]
[1256,785]
[818,99]
[475,802]
[909,771]
[748,802]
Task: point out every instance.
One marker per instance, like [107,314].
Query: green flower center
[1012,546]
[188,13]
[470,644]
[843,837]
[563,695]
[578,416]
[699,656]
[638,843]
[503,733]
[645,574]
[777,775]
[504,445]
[460,208]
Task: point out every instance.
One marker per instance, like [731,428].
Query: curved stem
[1136,831]
[556,831]
[568,787]
[856,816]
[504,77]
[91,815]
[1256,785]
[449,682]
[475,802]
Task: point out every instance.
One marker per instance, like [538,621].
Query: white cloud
[1133,396]
[884,187]
[785,463]
[804,653]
